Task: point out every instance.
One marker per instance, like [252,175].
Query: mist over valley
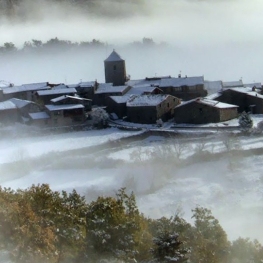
[220,40]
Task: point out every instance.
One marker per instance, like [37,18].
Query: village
[153,100]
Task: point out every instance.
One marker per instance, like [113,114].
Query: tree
[245,121]
[99,117]
[244,250]
[167,246]
[209,241]
[113,225]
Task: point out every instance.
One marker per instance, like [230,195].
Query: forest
[55,44]
[41,225]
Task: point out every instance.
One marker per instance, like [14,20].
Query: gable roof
[114,56]
[14,104]
[208,102]
[121,99]
[63,97]
[21,103]
[146,100]
[27,87]
[141,89]
[7,105]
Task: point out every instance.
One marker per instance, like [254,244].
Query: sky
[218,39]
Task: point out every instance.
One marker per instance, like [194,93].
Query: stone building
[106,90]
[150,108]
[201,111]
[115,69]
[185,88]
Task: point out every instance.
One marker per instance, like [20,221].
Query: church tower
[115,71]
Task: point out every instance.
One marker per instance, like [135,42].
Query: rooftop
[64,107]
[146,100]
[39,115]
[108,88]
[168,81]
[26,87]
[114,56]
[208,102]
[56,91]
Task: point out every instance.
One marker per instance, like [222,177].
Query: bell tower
[115,70]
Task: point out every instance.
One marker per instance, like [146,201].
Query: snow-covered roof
[64,107]
[20,103]
[155,81]
[108,88]
[146,100]
[63,97]
[248,91]
[213,86]
[215,104]
[208,102]
[168,81]
[39,115]
[60,86]
[26,87]
[214,96]
[121,99]
[114,56]
[229,84]
[87,84]
[179,82]
[56,91]
[140,89]
[7,105]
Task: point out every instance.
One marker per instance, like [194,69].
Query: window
[168,105]
[114,67]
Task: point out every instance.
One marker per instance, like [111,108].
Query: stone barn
[202,111]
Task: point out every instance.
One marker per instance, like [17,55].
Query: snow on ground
[37,146]
[230,185]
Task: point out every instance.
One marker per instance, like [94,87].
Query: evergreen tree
[167,246]
[245,121]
